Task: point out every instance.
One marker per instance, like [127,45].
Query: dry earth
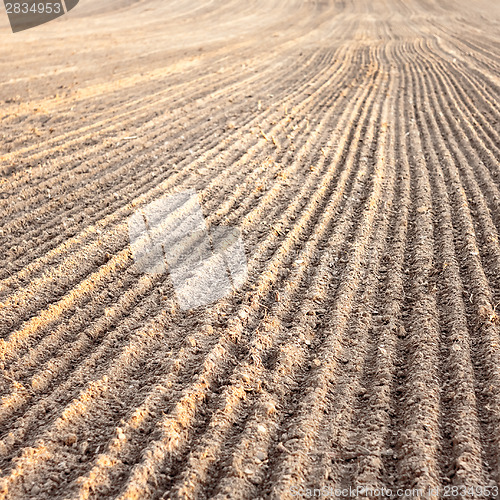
[355,143]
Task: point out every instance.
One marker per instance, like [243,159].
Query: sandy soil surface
[355,144]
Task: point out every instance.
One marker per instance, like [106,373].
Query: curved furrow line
[417,422]
[483,126]
[94,304]
[66,304]
[263,441]
[176,178]
[204,460]
[268,332]
[486,196]
[376,395]
[273,235]
[93,475]
[448,185]
[460,434]
[153,133]
[292,466]
[197,397]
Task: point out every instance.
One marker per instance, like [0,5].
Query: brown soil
[356,145]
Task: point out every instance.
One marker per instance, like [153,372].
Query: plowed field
[356,145]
